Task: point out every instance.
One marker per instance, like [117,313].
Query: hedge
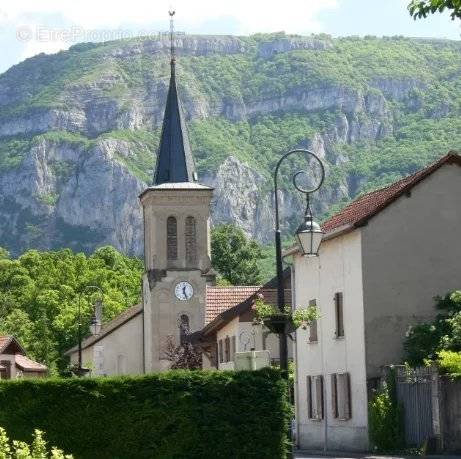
[177,414]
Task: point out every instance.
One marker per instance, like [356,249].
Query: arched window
[191,242]
[183,328]
[171,238]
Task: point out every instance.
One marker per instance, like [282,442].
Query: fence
[432,408]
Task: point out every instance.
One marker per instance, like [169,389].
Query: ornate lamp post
[95,324]
[309,237]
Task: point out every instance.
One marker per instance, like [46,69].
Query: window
[191,243]
[220,351]
[227,349]
[341,396]
[183,328]
[339,311]
[171,238]
[6,373]
[315,397]
[313,335]
[233,347]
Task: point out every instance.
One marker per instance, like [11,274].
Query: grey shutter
[347,395]
[171,238]
[309,397]
[339,314]
[319,396]
[233,347]
[334,395]
[221,357]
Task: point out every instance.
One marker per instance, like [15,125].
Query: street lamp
[95,324]
[309,235]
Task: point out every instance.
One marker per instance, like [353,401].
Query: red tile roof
[26,364]
[362,209]
[233,302]
[4,341]
[220,299]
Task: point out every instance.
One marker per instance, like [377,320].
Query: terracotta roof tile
[362,209]
[26,364]
[220,299]
[4,340]
[234,301]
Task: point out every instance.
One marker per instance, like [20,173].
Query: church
[180,298]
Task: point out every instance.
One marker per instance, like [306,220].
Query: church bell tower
[176,211]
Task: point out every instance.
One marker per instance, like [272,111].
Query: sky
[29,27]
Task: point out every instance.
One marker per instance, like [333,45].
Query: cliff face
[79,130]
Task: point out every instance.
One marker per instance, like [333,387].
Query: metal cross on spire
[172,12]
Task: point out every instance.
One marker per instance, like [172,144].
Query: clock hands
[184,292]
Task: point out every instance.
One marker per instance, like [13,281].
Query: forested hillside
[79,129]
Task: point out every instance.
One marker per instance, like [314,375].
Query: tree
[39,295]
[426,340]
[182,357]
[422,8]
[234,256]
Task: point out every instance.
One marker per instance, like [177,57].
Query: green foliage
[422,8]
[386,419]
[235,256]
[425,340]
[176,414]
[39,296]
[21,450]
[449,363]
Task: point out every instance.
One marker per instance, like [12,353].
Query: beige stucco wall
[411,253]
[337,269]
[162,308]
[120,352]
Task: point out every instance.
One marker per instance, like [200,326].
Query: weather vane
[172,12]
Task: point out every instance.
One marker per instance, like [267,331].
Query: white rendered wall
[337,269]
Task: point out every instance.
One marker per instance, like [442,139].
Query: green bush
[449,363]
[21,450]
[176,414]
[386,419]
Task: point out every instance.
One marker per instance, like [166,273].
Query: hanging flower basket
[280,323]
[80,372]
[283,322]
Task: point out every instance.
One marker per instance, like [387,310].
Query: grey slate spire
[174,162]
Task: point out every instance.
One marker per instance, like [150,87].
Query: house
[382,260]
[14,362]
[229,323]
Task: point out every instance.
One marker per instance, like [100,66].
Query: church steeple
[174,162]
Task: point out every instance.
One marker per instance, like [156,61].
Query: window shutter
[221,357]
[313,334]
[334,395]
[339,314]
[309,397]
[319,396]
[233,347]
[347,395]
[227,349]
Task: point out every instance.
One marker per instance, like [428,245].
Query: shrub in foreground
[177,414]
[21,450]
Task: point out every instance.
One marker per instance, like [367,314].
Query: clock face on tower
[183,291]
